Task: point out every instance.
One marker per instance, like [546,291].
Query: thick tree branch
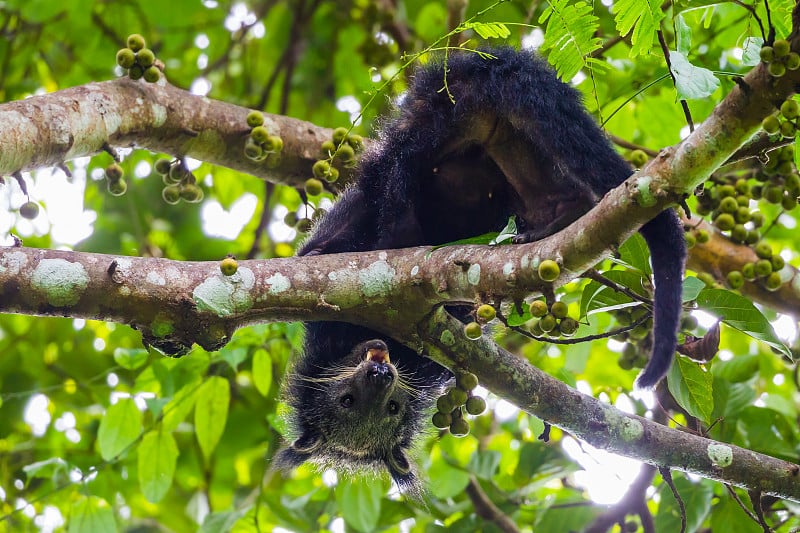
[178,303]
[720,255]
[50,129]
[599,424]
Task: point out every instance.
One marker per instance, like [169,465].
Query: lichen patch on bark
[60,281]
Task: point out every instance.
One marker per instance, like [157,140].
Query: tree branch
[50,129]
[720,255]
[599,424]
[486,509]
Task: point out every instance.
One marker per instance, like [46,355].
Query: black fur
[517,141]
[366,434]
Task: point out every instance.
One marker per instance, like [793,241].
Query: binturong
[358,405]
[515,141]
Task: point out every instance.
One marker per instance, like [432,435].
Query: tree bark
[50,129]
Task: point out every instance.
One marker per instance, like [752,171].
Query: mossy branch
[49,129]
[600,424]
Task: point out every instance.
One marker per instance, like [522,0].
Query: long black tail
[664,236]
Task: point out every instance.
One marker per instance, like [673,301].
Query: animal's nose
[380,373]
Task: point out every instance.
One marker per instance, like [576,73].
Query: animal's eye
[393,407]
[346,401]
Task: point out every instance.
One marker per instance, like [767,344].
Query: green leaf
[179,406]
[156,405]
[738,369]
[486,238]
[392,513]
[262,371]
[119,428]
[683,35]
[643,17]
[281,351]
[635,253]
[769,431]
[91,514]
[692,286]
[727,516]
[563,374]
[561,516]
[540,460]
[228,186]
[130,358]
[158,457]
[797,151]
[507,233]
[211,413]
[484,463]
[692,388]
[446,481]
[488,30]
[222,521]
[233,355]
[730,399]
[739,313]
[47,469]
[431,21]
[360,502]
[570,35]
[598,298]
[740,396]
[691,82]
[751,51]
[37,11]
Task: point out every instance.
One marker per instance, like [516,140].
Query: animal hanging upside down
[517,141]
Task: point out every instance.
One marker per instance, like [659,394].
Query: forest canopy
[162,163]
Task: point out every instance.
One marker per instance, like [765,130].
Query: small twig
[21,182]
[628,145]
[634,502]
[576,340]
[594,275]
[263,220]
[110,151]
[752,11]
[772,224]
[455,15]
[684,105]
[738,500]
[667,475]
[65,169]
[486,509]
[755,499]
[544,436]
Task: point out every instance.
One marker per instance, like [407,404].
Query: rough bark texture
[719,256]
[50,129]
[600,424]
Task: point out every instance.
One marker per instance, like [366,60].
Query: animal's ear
[298,451]
[400,468]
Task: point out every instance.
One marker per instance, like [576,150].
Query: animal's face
[359,415]
[365,406]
